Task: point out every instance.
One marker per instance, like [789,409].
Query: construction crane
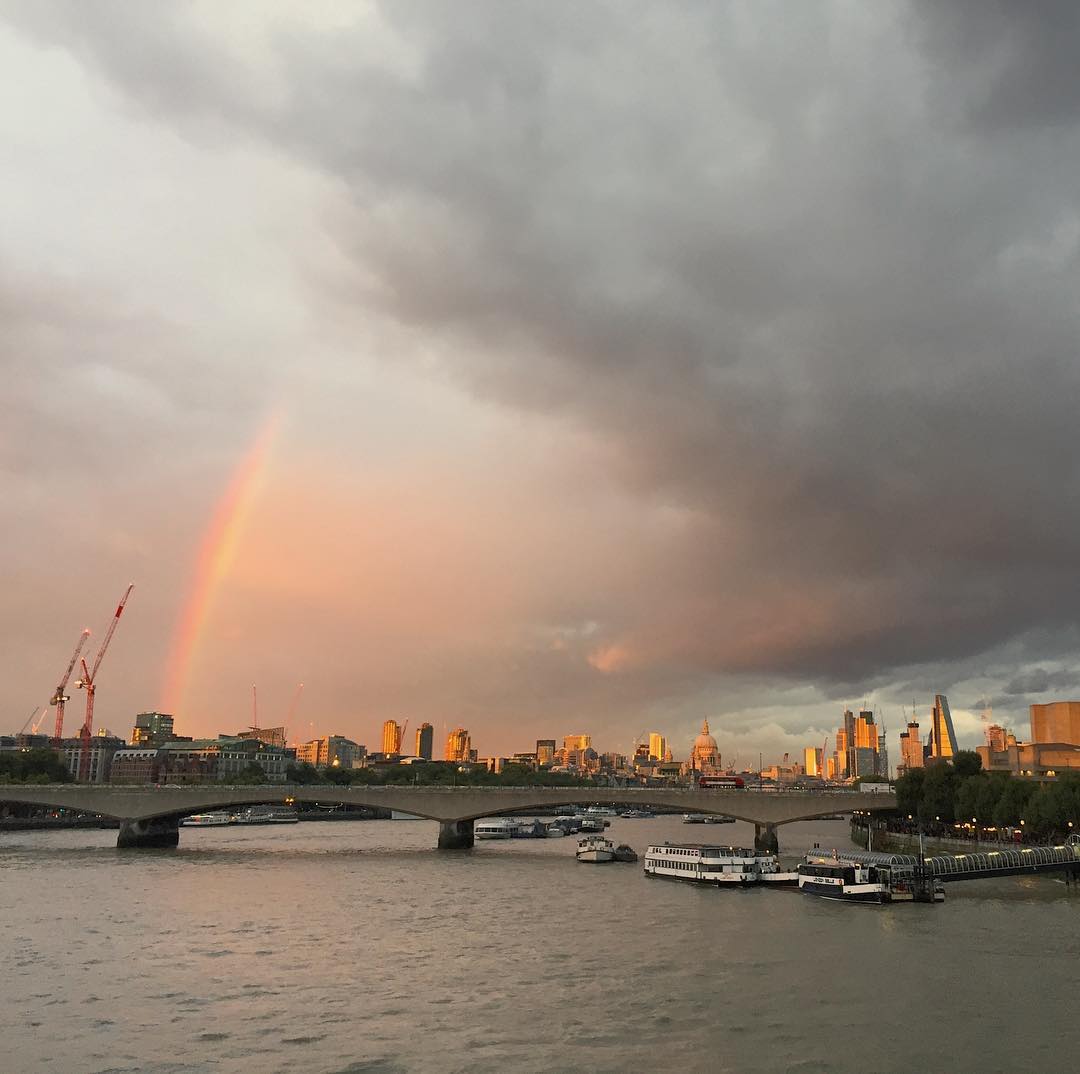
[89,683]
[59,697]
[33,713]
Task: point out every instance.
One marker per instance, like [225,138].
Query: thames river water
[357,947]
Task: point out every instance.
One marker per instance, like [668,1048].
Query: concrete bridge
[149,816]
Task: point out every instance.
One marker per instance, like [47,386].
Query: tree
[939,792]
[967,763]
[36,766]
[909,790]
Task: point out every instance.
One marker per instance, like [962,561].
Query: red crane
[60,697]
[89,683]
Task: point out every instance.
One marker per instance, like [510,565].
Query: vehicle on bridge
[728,782]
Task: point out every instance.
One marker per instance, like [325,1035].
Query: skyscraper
[911,747]
[657,746]
[424,737]
[576,742]
[813,761]
[545,751]
[391,737]
[942,736]
[458,746]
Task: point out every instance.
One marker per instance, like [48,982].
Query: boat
[495,828]
[595,849]
[846,880]
[601,811]
[623,852]
[772,874]
[593,824]
[555,832]
[637,814]
[693,818]
[718,818]
[702,863]
[207,820]
[268,815]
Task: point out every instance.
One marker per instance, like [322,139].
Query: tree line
[962,791]
[33,766]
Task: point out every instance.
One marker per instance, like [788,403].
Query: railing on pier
[947,867]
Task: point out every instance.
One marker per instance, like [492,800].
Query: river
[357,947]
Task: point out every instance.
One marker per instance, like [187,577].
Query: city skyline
[620,437]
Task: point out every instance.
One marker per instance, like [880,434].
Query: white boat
[702,863]
[555,832]
[601,811]
[595,849]
[594,823]
[495,828]
[207,820]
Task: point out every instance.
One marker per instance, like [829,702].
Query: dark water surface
[358,947]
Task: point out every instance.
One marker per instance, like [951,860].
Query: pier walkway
[980,866]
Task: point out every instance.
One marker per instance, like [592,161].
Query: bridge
[149,815]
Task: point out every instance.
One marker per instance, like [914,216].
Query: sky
[542,368]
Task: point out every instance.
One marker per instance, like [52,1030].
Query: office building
[657,746]
[151,729]
[1057,721]
[545,751]
[100,752]
[911,747]
[425,736]
[1032,760]
[270,736]
[997,738]
[334,751]
[942,745]
[577,742]
[391,738]
[813,761]
[140,765]
[458,745]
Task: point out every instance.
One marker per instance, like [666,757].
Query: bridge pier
[765,839]
[455,835]
[156,833]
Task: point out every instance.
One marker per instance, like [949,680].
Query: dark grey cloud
[808,272]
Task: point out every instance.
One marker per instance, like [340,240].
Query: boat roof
[720,847]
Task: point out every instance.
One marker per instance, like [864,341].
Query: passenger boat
[595,849]
[845,881]
[637,814]
[207,820]
[702,863]
[594,823]
[554,831]
[495,828]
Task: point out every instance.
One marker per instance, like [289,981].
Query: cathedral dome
[704,743]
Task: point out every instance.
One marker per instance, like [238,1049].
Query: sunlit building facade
[458,745]
[657,746]
[942,745]
[425,738]
[152,729]
[911,747]
[545,751]
[1057,721]
[391,738]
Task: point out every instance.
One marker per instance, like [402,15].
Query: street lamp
[975,822]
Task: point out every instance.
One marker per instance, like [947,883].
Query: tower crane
[89,683]
[59,697]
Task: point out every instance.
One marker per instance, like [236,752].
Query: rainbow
[217,551]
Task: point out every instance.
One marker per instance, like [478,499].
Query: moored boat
[702,863]
[207,820]
[624,852]
[268,815]
[771,873]
[595,849]
[495,828]
[844,881]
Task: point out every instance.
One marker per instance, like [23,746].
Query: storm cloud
[792,288]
